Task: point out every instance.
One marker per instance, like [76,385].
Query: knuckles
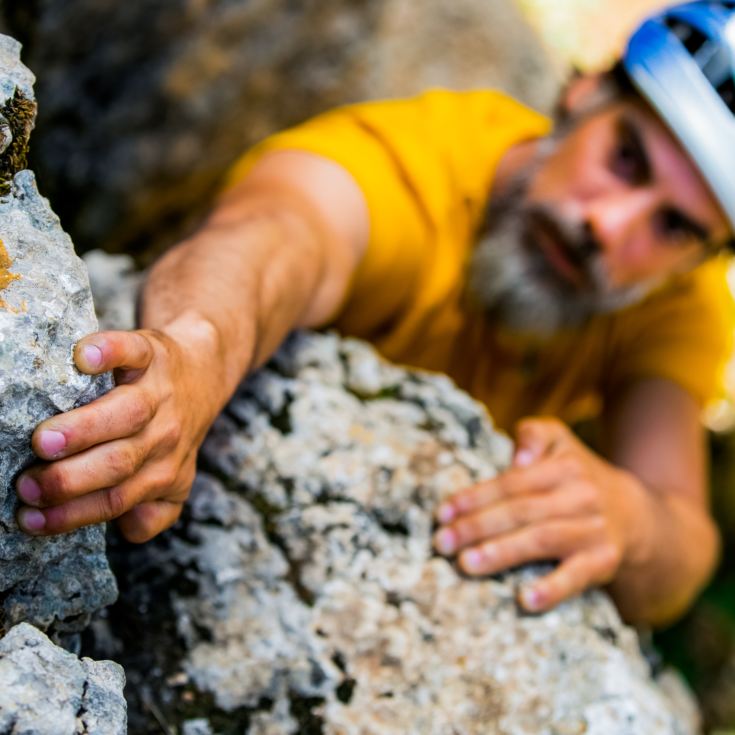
[171,434]
[55,483]
[571,465]
[113,503]
[545,541]
[141,409]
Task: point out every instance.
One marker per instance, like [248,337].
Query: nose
[616,219]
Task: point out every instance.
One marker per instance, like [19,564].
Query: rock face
[48,691]
[144,105]
[45,307]
[300,593]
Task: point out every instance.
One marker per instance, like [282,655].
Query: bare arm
[655,432]
[278,251]
[638,523]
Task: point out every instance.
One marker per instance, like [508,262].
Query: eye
[627,160]
[674,227]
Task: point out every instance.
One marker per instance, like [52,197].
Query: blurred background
[143,106]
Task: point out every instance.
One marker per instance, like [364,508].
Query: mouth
[545,235]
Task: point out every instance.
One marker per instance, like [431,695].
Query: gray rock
[144,105]
[48,691]
[45,307]
[300,592]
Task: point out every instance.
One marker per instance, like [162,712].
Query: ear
[583,92]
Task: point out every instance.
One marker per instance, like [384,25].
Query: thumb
[104,351]
[536,438]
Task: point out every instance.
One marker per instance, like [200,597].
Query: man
[578,288]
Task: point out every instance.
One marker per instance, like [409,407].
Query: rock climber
[555,271]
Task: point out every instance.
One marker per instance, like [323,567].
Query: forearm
[236,287]
[673,549]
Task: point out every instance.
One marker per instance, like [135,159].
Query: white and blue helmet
[682,61]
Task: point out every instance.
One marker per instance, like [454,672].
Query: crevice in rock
[82,711]
[345,690]
[301,709]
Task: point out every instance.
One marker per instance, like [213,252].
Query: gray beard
[512,281]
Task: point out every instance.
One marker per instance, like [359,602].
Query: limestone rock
[48,691]
[300,593]
[45,307]
[144,105]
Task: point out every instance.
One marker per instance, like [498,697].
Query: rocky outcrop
[144,105]
[300,593]
[45,307]
[48,691]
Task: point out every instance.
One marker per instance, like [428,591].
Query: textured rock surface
[300,594]
[143,105]
[45,307]
[48,691]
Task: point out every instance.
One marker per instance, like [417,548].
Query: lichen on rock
[17,111]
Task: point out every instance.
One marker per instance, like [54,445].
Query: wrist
[641,507]
[203,354]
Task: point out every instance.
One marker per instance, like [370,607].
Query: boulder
[300,592]
[45,307]
[48,691]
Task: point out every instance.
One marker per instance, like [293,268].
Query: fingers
[554,539]
[59,482]
[147,520]
[536,438]
[124,411]
[106,504]
[505,516]
[589,568]
[96,507]
[105,351]
[515,481]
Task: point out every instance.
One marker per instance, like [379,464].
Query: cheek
[574,173]
[643,259]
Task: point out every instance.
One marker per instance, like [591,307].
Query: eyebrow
[629,132]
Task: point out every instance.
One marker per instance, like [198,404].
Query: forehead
[674,173]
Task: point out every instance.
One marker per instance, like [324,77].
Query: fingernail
[445,514]
[51,442]
[29,490]
[523,458]
[472,559]
[531,598]
[31,520]
[445,541]
[92,355]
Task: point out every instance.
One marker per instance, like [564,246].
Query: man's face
[611,207]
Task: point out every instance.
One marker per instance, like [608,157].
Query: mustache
[575,240]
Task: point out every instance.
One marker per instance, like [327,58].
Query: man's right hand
[131,453]
[278,251]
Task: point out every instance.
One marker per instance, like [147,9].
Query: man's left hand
[558,501]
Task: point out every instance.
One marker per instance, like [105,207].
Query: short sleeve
[425,167]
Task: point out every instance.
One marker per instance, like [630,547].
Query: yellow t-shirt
[426,167]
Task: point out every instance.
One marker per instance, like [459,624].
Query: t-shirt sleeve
[425,167]
[683,334]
